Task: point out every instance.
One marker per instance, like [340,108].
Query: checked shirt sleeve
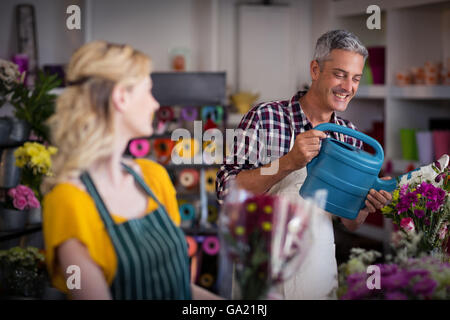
[244,149]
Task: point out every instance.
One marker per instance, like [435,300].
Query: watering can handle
[379,154]
[388,185]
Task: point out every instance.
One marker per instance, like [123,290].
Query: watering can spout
[387,185]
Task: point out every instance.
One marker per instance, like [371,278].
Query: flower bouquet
[266,238]
[418,278]
[22,198]
[421,204]
[35,161]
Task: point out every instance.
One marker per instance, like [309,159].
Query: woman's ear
[314,70]
[119,98]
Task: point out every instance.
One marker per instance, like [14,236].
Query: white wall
[55,42]
[207,28]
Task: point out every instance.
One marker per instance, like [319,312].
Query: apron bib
[317,276]
[152,260]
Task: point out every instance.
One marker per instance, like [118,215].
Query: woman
[115,219]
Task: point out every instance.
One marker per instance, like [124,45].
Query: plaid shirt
[269,123]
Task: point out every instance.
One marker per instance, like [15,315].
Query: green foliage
[22,272]
[37,105]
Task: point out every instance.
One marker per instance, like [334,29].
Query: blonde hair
[82,127]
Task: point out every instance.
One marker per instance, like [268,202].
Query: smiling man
[336,70]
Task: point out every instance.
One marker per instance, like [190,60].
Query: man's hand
[306,147]
[375,200]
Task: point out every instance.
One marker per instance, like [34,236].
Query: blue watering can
[346,172]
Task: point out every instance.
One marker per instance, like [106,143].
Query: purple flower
[403,189]
[426,221]
[433,205]
[425,287]
[396,296]
[437,164]
[395,281]
[419,213]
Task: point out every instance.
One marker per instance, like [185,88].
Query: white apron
[317,276]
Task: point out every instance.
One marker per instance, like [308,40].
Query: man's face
[339,78]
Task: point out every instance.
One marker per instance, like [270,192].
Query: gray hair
[338,39]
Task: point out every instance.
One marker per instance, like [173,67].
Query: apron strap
[101,207]
[142,183]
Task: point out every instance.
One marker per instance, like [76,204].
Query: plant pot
[9,172]
[12,220]
[35,216]
[13,131]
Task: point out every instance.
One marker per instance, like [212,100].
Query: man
[336,70]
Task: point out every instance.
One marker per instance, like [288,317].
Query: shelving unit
[193,89]
[413,32]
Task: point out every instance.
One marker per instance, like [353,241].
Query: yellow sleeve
[69,212]
[157,178]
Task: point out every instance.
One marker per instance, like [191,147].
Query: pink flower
[24,190]
[443,232]
[33,203]
[407,224]
[20,202]
[12,192]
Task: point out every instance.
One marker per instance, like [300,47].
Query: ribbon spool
[189,113]
[163,150]
[165,114]
[189,178]
[139,148]
[211,245]
[215,113]
[212,213]
[210,180]
[192,246]
[187,148]
[206,280]
[187,211]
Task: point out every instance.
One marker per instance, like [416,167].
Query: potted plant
[12,130]
[34,106]
[14,212]
[22,273]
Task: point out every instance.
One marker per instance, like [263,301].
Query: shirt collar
[299,117]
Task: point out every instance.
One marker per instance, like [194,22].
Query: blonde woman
[115,219]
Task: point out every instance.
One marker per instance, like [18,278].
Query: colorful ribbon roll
[192,246]
[215,113]
[210,180]
[212,213]
[163,150]
[139,148]
[189,113]
[189,178]
[211,245]
[187,148]
[165,114]
[187,211]
[206,280]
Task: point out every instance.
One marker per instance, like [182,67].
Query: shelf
[437,92]
[377,91]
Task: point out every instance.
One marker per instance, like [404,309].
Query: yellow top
[69,212]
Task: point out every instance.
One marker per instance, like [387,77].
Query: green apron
[151,251]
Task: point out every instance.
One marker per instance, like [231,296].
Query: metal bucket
[35,216]
[13,131]
[9,172]
[12,220]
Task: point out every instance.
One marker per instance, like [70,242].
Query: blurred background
[246,52]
